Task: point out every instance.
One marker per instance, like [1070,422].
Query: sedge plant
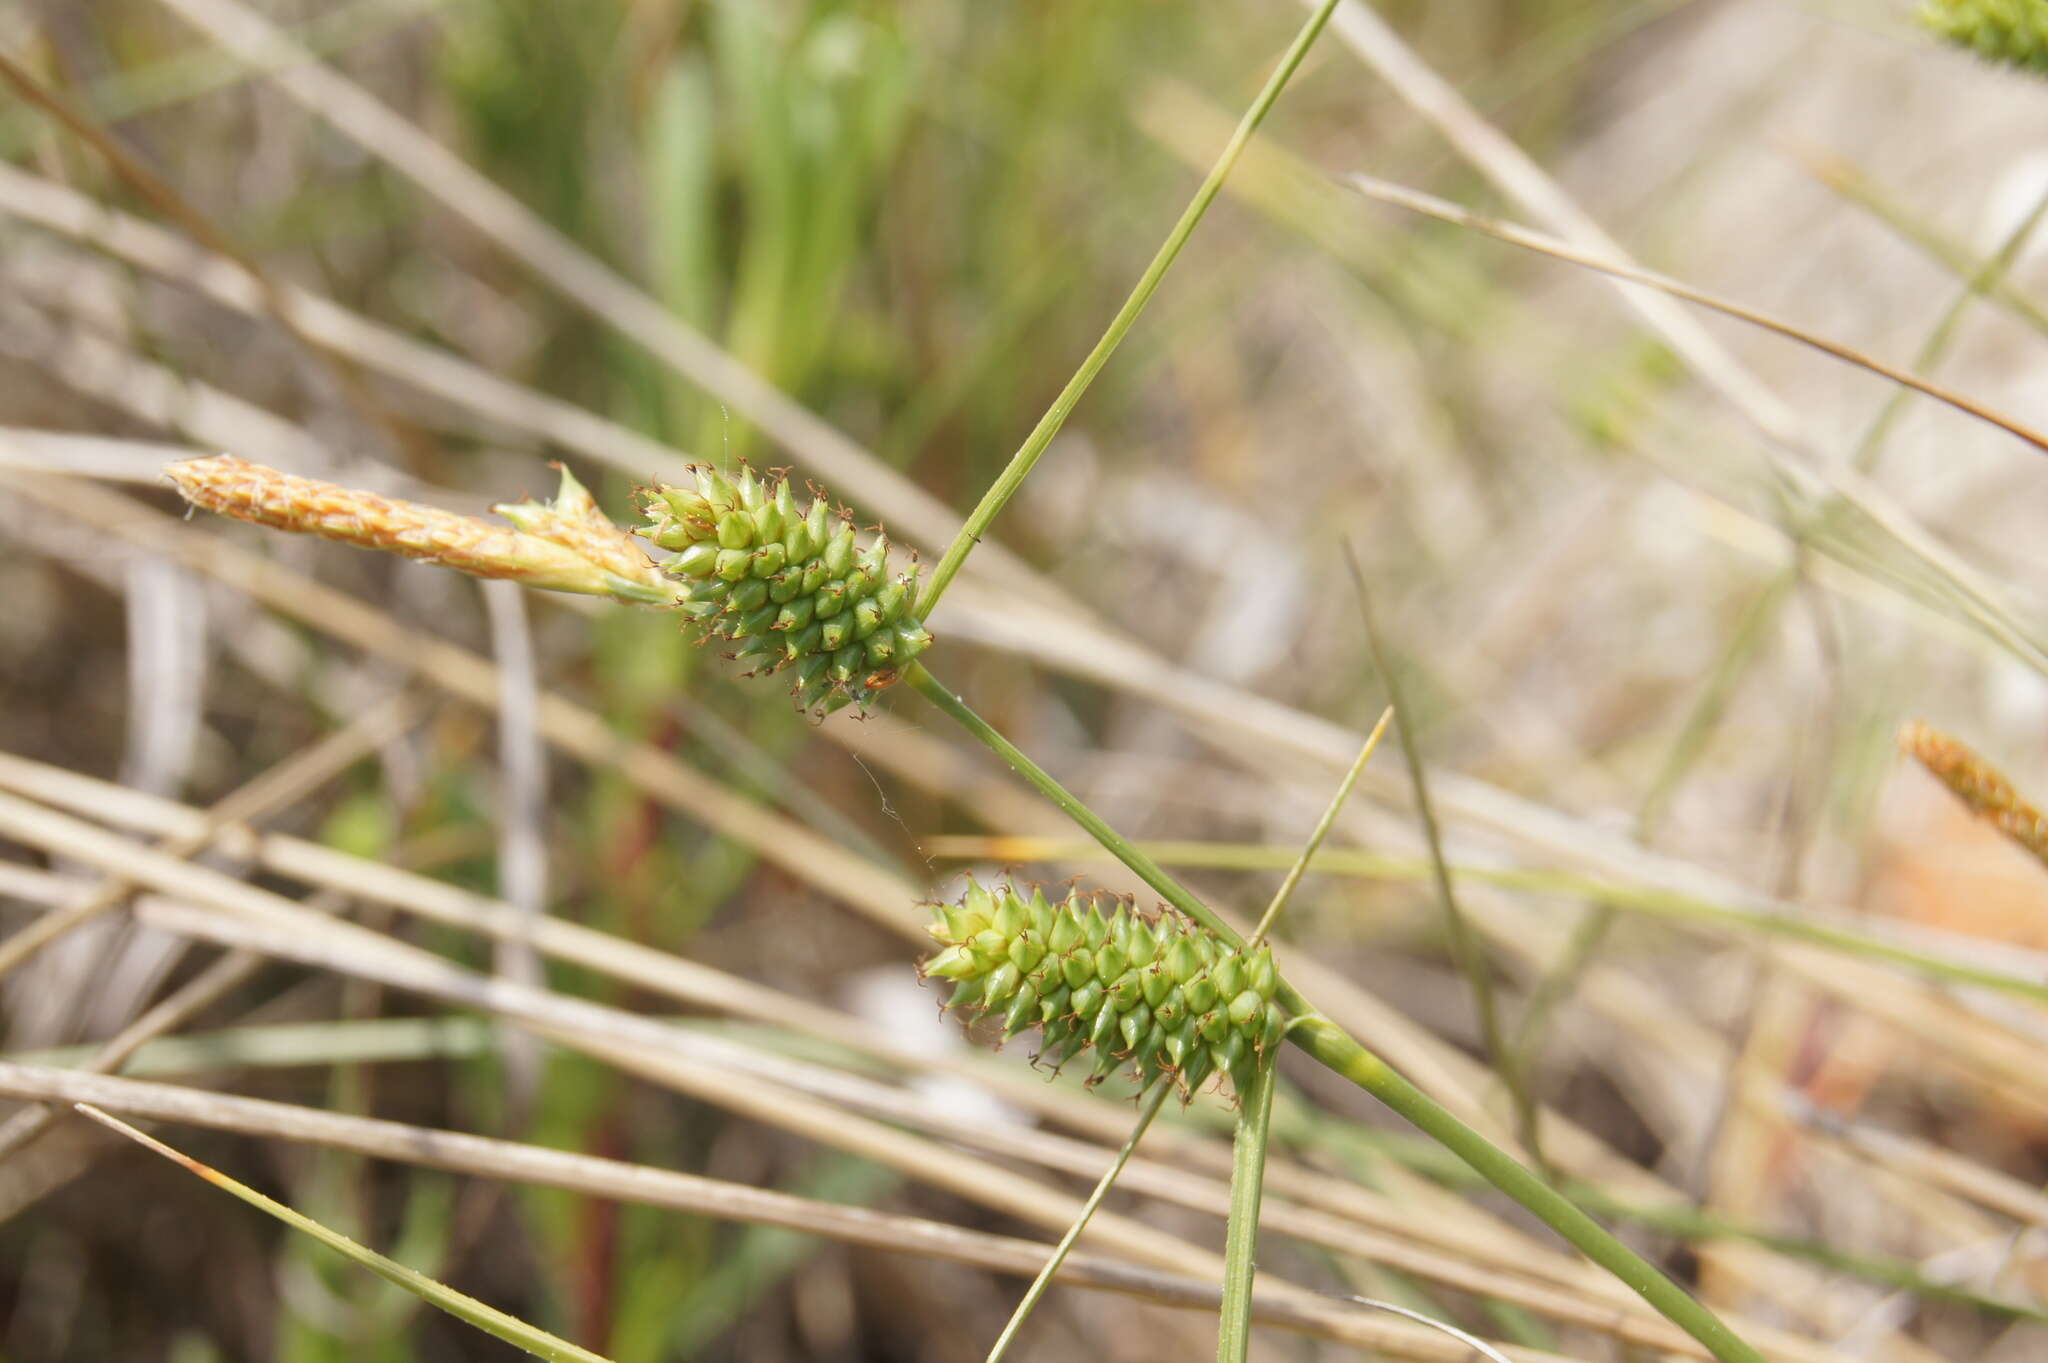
[796,592]
[1177,997]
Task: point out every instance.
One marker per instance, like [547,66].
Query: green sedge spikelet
[1161,994]
[2014,32]
[792,587]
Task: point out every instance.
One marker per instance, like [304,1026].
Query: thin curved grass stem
[1471,1341]
[1466,948]
[1340,1052]
[530,1339]
[1429,206]
[1026,457]
[1060,1251]
[1322,829]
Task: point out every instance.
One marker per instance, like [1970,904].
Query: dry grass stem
[1440,1068]
[275,788]
[1783,1025]
[699,986]
[1495,1267]
[692,1194]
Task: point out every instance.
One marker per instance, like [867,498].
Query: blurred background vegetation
[1636,641]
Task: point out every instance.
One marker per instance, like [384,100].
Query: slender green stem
[920,680]
[1745,645]
[1700,1226]
[1329,1044]
[1241,1239]
[1315,839]
[1355,1147]
[1465,945]
[1066,1244]
[1976,285]
[1336,1049]
[1026,457]
[514,1331]
[1848,180]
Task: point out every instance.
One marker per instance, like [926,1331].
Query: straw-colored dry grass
[512,936]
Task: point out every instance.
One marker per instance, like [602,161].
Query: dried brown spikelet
[252,492]
[1983,791]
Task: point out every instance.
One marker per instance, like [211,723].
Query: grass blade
[1470,1341]
[1066,1244]
[1026,458]
[1429,206]
[1322,829]
[489,1319]
[1465,947]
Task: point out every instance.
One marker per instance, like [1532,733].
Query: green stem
[1356,1147]
[1322,830]
[514,1331]
[1700,1227]
[1331,1045]
[1022,462]
[1241,1239]
[1066,1244]
[920,680]
[1335,1048]
[1465,947]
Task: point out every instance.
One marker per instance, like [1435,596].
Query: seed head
[1161,993]
[792,587]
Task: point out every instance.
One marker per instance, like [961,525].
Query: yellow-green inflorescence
[2010,31]
[1161,994]
[792,587]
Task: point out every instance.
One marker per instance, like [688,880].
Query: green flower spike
[2011,31]
[1162,993]
[793,589]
